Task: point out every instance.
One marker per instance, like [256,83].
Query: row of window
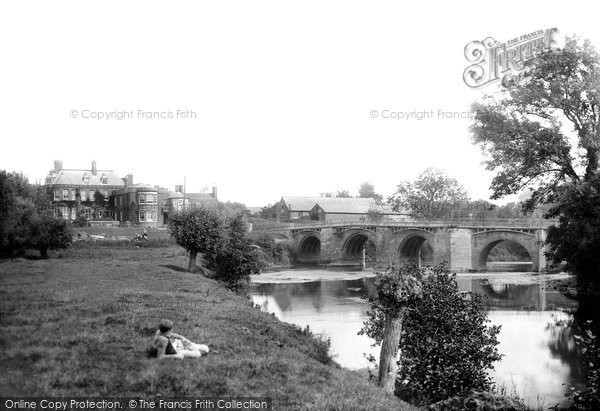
[67,194]
[103,179]
[147,216]
[142,199]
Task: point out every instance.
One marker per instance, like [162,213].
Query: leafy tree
[50,233]
[543,133]
[446,345]
[367,190]
[527,133]
[236,257]
[99,203]
[397,288]
[199,230]
[576,239]
[269,212]
[432,195]
[343,194]
[26,217]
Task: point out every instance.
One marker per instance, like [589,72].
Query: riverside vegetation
[79,326]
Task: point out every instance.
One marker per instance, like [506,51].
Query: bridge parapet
[473,223]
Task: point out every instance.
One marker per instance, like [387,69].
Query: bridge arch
[409,245]
[484,242]
[309,247]
[354,241]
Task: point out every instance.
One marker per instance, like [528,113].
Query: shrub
[589,397]
[447,347]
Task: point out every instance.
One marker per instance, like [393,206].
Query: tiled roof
[76,177]
[352,205]
[300,203]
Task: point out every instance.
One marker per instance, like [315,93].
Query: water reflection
[540,355]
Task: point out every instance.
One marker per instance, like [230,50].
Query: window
[87,212]
[142,216]
[120,201]
[72,194]
[142,199]
[56,195]
[86,179]
[116,201]
[57,213]
[65,194]
[105,194]
[150,198]
[104,179]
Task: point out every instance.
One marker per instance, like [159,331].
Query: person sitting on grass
[171,345]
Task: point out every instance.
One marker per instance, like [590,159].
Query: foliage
[396,287]
[367,190]
[236,258]
[576,240]
[50,233]
[432,195]
[480,401]
[269,212]
[338,194]
[26,219]
[198,230]
[275,253]
[589,397]
[527,133]
[446,345]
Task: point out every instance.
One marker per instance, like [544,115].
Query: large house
[74,189]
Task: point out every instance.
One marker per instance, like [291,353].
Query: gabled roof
[300,203]
[352,205]
[76,177]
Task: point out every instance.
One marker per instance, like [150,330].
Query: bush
[589,397]
[447,347]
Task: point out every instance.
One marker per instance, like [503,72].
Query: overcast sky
[282,91]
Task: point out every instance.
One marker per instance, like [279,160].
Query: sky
[262,98]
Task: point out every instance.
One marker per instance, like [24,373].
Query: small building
[72,190]
[295,208]
[334,209]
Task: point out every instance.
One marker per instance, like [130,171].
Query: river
[540,359]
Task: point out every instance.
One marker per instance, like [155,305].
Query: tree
[397,288]
[543,133]
[526,133]
[446,345]
[50,233]
[199,230]
[343,194]
[26,217]
[432,195]
[367,190]
[236,257]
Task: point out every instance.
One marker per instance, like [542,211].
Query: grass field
[79,325]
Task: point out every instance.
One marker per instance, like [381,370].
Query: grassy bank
[80,324]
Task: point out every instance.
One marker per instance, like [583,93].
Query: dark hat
[165,325]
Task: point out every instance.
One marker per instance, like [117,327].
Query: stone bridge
[464,244]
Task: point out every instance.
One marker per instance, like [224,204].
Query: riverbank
[79,326]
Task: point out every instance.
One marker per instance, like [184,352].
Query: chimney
[94,171]
[215,192]
[128,180]
[57,165]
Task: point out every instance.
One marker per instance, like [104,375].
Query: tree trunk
[192,264]
[389,350]
[44,252]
